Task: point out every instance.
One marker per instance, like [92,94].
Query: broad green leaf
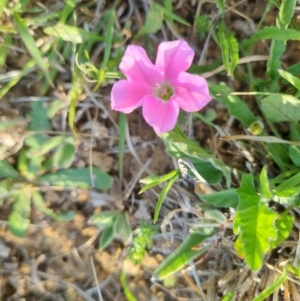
[29,42]
[264,184]
[294,154]
[254,222]
[153,23]
[18,220]
[224,198]
[78,177]
[107,236]
[293,80]
[272,287]
[180,147]
[71,34]
[272,32]
[235,105]
[154,180]
[163,194]
[186,252]
[39,117]
[281,107]
[64,156]
[7,171]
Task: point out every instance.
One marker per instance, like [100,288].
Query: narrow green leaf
[105,218]
[228,296]
[153,23]
[7,171]
[78,177]
[67,10]
[128,294]
[293,80]
[229,49]
[294,154]
[186,252]
[274,63]
[71,34]
[281,107]
[254,222]
[288,184]
[220,5]
[110,28]
[272,288]
[235,105]
[163,195]
[39,203]
[29,42]
[4,47]
[74,95]
[64,156]
[154,180]
[224,198]
[264,184]
[107,236]
[170,15]
[122,129]
[272,32]
[286,12]
[27,68]
[18,220]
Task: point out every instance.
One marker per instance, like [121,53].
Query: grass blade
[122,129]
[30,45]
[270,289]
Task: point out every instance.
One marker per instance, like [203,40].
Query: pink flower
[161,89]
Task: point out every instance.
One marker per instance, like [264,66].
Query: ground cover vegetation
[150,150]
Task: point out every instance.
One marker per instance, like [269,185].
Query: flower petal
[174,57]
[161,115]
[137,67]
[191,92]
[127,96]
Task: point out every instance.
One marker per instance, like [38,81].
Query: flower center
[164,92]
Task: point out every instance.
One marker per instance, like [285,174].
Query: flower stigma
[164,91]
